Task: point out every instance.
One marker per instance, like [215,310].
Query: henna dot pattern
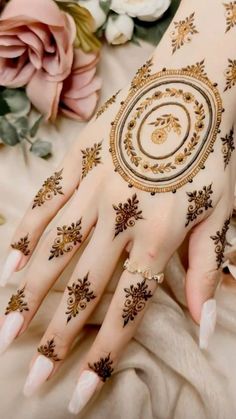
[165,130]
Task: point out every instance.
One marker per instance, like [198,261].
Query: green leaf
[85,38]
[105,5]
[4,108]
[8,132]
[2,219]
[35,126]
[22,126]
[153,32]
[17,101]
[41,149]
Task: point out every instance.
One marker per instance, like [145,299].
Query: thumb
[206,254]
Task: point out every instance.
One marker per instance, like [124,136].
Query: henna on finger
[127,214]
[17,302]
[48,350]
[103,367]
[201,200]
[228,147]
[50,188]
[79,295]
[22,245]
[91,158]
[107,104]
[230,75]
[183,32]
[220,242]
[136,297]
[67,238]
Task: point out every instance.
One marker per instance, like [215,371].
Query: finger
[130,301]
[52,195]
[81,296]
[52,257]
[206,254]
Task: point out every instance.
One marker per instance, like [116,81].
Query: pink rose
[76,96]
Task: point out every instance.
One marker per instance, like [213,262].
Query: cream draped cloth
[162,373]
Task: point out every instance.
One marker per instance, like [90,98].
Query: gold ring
[146,273]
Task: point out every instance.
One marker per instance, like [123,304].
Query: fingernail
[232,270]
[84,390]
[10,265]
[9,330]
[40,371]
[207,322]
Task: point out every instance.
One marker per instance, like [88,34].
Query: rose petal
[36,47]
[45,11]
[6,40]
[80,109]
[46,103]
[43,33]
[11,51]
[85,91]
[15,75]
[76,81]
[83,59]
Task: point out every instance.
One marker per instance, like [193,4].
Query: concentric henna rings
[146,273]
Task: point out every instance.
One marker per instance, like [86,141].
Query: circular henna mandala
[165,130]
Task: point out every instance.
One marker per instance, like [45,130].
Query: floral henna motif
[22,245]
[230,15]
[107,104]
[136,296]
[220,242]
[127,214]
[103,368]
[67,238]
[48,350]
[198,68]
[142,74]
[228,147]
[51,187]
[201,200]
[79,296]
[17,302]
[90,158]
[184,29]
[230,75]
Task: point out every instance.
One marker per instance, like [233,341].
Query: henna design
[51,187]
[67,238]
[127,214]
[183,31]
[136,297]
[230,75]
[22,245]
[198,68]
[228,147]
[142,74]
[230,15]
[79,296]
[201,200]
[17,302]
[90,158]
[186,111]
[48,350]
[103,368]
[220,242]
[106,105]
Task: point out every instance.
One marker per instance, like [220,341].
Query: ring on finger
[145,272]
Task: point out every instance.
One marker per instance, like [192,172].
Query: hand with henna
[154,166]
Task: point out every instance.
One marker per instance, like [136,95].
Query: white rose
[119,30]
[148,10]
[95,10]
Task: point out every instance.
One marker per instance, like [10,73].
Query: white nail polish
[232,269]
[40,371]
[207,323]
[84,390]
[10,265]
[10,329]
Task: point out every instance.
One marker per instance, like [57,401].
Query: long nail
[207,323]
[38,374]
[232,270]
[10,329]
[84,390]
[11,263]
